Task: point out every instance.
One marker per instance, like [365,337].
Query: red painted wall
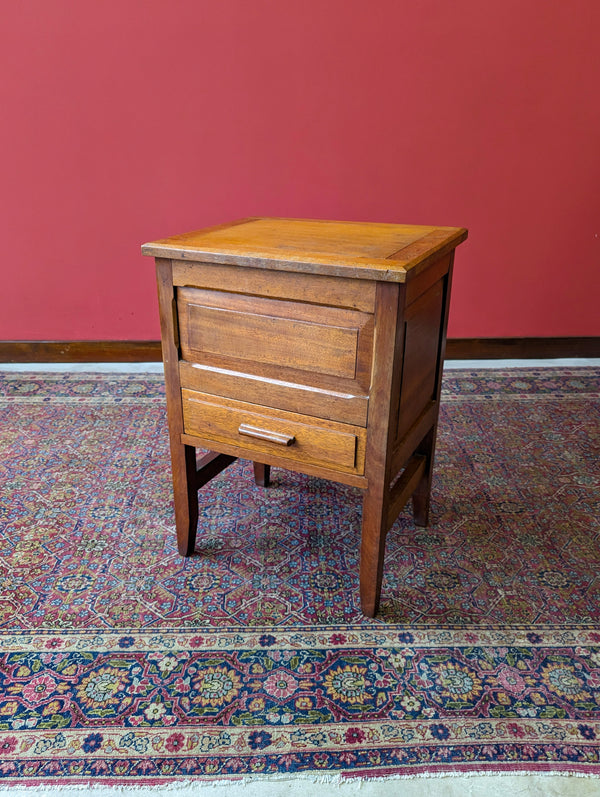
[128,120]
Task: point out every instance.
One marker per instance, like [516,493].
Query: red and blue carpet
[122,662]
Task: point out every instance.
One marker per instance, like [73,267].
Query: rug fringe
[446,784]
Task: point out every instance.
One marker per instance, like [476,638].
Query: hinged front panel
[266,332]
[314,349]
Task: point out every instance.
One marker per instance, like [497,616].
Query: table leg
[188,477]
[185,493]
[422,495]
[262,474]
[372,551]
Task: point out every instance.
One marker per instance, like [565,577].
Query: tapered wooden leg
[380,438]
[185,492]
[422,495]
[262,474]
[372,552]
[188,477]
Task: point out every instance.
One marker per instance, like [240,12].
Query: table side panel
[421,342]
[422,348]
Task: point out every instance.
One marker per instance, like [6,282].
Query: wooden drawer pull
[267,434]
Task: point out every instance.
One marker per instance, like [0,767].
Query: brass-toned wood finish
[311,345]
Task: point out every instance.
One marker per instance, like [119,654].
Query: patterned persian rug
[121,662]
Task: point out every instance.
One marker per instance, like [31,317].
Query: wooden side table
[311,345]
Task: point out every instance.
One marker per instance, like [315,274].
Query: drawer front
[296,342]
[257,429]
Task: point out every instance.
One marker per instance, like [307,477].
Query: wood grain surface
[357,250]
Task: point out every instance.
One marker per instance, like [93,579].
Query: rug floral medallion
[122,662]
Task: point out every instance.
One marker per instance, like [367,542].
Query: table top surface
[363,250]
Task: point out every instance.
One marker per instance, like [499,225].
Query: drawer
[288,341]
[286,435]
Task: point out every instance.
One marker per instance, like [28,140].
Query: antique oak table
[310,345]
